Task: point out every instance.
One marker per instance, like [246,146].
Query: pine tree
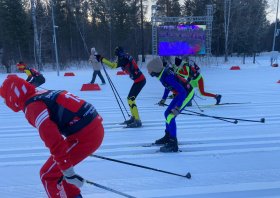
[15,33]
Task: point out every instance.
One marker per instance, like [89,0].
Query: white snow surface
[225,160]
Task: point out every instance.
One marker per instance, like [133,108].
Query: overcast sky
[271,11]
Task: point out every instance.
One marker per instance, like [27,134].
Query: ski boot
[135,124]
[103,83]
[79,196]
[132,119]
[164,139]
[171,146]
[218,98]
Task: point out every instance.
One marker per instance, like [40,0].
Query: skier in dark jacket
[128,65]
[34,77]
[185,93]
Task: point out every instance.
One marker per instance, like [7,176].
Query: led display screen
[181,39]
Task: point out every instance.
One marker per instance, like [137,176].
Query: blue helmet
[119,51]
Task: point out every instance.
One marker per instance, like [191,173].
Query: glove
[161,103]
[72,178]
[189,79]
[175,111]
[99,58]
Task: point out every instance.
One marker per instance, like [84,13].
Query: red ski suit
[80,141]
[65,152]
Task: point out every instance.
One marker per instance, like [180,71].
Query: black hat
[119,51]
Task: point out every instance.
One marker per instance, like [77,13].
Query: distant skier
[56,114]
[128,65]
[190,71]
[96,67]
[185,93]
[174,69]
[34,77]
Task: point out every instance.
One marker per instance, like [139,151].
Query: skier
[128,65]
[185,93]
[57,113]
[189,71]
[34,77]
[96,67]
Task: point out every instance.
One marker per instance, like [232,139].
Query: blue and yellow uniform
[184,94]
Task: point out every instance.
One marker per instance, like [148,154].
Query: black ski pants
[97,72]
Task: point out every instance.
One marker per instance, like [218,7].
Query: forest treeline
[26,28]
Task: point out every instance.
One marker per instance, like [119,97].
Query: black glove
[72,178]
[178,61]
[129,57]
[175,111]
[161,103]
[99,57]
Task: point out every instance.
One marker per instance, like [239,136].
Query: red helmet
[21,65]
[16,91]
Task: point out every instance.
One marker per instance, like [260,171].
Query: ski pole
[109,189]
[222,118]
[188,175]
[109,79]
[262,119]
[114,90]
[112,86]
[203,115]
[199,97]
[42,88]
[234,122]
[198,106]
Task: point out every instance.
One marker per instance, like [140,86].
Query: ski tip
[188,175]
[263,120]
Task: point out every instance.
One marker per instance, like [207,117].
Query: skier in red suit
[56,114]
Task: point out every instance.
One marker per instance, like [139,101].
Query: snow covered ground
[226,160]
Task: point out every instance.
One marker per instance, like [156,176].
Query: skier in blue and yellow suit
[184,94]
[128,65]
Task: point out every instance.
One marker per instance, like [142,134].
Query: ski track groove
[198,148]
[18,156]
[201,147]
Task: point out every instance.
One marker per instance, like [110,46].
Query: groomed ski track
[226,160]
